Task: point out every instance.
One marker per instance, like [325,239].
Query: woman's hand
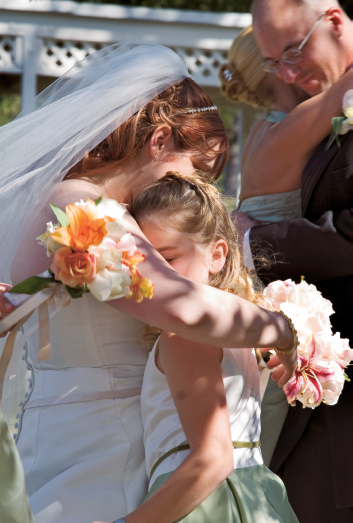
[5,306]
[286,363]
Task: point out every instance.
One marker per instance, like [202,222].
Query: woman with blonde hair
[275,154]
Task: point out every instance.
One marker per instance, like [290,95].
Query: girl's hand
[286,363]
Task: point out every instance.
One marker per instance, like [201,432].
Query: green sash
[186,446]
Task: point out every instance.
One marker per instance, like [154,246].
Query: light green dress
[249,495]
[252,493]
[14,507]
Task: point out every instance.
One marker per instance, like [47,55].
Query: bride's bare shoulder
[31,257]
[70,191]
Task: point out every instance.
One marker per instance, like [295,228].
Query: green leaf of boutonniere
[337,124]
[61,216]
[98,200]
[32,285]
[336,130]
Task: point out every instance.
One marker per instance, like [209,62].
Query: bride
[115,123]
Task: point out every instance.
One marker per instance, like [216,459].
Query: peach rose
[73,268]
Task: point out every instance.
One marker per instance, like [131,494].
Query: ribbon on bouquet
[54,295]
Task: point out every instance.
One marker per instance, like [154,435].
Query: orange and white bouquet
[91,253]
[322,356]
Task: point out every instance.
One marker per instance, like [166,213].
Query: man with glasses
[310,43]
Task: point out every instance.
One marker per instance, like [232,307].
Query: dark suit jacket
[320,247]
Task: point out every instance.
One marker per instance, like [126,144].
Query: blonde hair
[194,207]
[242,79]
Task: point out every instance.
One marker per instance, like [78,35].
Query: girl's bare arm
[194,311]
[195,380]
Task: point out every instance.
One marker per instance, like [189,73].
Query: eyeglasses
[291,56]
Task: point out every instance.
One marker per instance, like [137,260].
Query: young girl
[201,404]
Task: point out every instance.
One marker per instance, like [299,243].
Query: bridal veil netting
[73,115]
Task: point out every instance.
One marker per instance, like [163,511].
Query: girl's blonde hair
[194,207]
[242,79]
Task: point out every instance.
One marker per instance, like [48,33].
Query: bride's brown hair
[201,132]
[195,208]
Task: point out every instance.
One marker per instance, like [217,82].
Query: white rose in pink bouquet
[322,356]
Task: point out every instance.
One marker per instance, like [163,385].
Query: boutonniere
[342,124]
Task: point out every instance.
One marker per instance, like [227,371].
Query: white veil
[73,115]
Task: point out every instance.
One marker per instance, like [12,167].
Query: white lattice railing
[47,38]
[203,64]
[58,56]
[7,51]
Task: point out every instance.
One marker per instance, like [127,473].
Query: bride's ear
[161,141]
[219,253]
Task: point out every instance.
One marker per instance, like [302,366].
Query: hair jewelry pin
[228,75]
[202,109]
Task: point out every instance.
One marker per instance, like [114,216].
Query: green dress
[14,506]
[248,495]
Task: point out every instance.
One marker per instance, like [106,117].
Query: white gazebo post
[29,73]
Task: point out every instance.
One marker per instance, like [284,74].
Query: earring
[154,159]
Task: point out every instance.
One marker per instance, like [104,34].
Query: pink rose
[73,268]
[278,292]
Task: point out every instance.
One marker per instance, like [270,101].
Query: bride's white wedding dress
[81,440]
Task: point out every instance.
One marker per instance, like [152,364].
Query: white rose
[298,315]
[347,103]
[278,291]
[347,125]
[109,285]
[110,208]
[115,231]
[308,297]
[318,324]
[107,255]
[81,204]
[338,349]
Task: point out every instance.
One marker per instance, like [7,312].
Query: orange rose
[73,268]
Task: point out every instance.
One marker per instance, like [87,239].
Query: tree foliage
[235,6]
[10,106]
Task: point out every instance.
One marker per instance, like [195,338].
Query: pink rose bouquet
[320,375]
[91,253]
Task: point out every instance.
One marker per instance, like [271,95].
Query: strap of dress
[186,446]
[275,116]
